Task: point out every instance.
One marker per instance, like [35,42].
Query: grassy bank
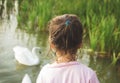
[100,19]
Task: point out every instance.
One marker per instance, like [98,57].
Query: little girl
[65,37]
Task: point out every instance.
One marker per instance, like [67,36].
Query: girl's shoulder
[72,65]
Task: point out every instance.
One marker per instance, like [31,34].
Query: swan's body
[26,57]
[26,79]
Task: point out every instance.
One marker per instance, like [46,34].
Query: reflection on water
[10,37]
[13,72]
[10,70]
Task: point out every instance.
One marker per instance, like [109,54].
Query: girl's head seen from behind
[65,33]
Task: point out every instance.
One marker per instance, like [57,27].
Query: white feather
[26,79]
[25,56]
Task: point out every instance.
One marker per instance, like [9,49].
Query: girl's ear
[52,46]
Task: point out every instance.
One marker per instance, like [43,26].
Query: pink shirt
[70,72]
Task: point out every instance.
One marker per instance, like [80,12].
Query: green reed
[35,14]
[103,25]
[100,19]
[115,58]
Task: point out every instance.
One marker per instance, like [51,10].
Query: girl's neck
[61,58]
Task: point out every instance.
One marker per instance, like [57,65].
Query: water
[13,72]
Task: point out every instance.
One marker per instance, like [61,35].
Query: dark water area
[11,35]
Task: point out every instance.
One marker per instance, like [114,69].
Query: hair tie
[67,22]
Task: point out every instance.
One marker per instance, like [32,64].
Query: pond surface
[12,72]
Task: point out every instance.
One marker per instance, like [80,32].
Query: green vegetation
[35,14]
[100,19]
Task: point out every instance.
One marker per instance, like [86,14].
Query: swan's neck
[34,50]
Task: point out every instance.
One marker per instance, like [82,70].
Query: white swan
[26,57]
[26,79]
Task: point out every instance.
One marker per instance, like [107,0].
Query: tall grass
[102,25]
[100,19]
[35,14]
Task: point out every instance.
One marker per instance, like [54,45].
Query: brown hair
[66,32]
